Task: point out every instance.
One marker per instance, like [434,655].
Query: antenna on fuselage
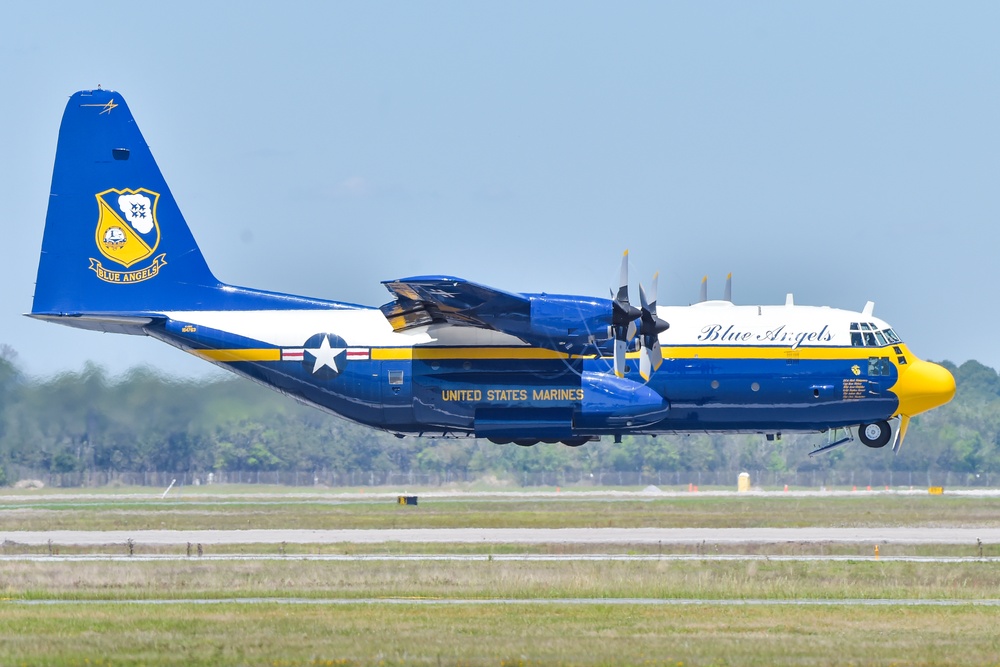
[703,297]
[728,294]
[789,299]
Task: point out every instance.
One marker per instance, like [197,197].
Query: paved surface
[510,558]
[887,535]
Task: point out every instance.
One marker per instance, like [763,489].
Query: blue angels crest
[127,233]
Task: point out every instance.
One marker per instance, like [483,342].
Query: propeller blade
[620,357]
[650,328]
[623,317]
[704,290]
[729,288]
[622,295]
[645,363]
[650,358]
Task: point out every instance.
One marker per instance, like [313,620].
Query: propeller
[650,328]
[727,295]
[623,316]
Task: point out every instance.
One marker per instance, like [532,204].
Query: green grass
[228,513]
[187,579]
[502,635]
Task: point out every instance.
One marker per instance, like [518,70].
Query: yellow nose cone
[922,385]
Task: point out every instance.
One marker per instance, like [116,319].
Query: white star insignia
[325,355]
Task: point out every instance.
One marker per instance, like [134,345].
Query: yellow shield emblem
[127,229]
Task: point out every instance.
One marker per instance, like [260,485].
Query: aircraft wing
[426,300]
[564,323]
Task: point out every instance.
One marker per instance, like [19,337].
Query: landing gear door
[396,385]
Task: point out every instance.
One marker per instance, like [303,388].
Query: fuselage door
[396,386]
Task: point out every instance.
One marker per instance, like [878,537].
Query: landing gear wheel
[875,435]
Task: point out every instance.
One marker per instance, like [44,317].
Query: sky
[843,152]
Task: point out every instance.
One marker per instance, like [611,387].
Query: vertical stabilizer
[115,242]
[114,239]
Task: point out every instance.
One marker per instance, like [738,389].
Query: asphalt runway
[610,536]
[500,558]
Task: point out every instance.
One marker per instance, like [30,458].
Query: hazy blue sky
[840,151]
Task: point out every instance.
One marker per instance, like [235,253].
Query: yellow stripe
[397,353]
[684,352]
[266,354]
[804,353]
[486,353]
[392,353]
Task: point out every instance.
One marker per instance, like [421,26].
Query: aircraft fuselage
[726,369]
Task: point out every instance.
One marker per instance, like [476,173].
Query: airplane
[448,357]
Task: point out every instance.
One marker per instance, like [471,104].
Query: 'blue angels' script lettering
[720,333]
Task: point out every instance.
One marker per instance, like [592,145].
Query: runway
[615,536]
[499,558]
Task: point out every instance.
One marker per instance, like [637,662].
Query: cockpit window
[866,334]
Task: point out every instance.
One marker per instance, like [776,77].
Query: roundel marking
[325,356]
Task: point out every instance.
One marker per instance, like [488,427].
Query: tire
[875,435]
[525,442]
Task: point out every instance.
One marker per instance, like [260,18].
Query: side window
[395,378]
[856,339]
[886,366]
[874,368]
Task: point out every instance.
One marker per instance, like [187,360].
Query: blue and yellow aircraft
[449,357]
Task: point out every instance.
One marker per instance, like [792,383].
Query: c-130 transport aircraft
[453,358]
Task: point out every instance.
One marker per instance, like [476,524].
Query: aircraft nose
[923,385]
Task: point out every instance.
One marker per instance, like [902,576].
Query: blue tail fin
[115,242]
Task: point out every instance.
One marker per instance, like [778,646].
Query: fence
[667,480]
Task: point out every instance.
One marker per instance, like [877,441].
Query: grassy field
[495,612]
[226,512]
[502,635]
[485,580]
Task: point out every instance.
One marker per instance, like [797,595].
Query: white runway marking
[648,536]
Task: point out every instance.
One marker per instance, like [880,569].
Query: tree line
[141,420]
